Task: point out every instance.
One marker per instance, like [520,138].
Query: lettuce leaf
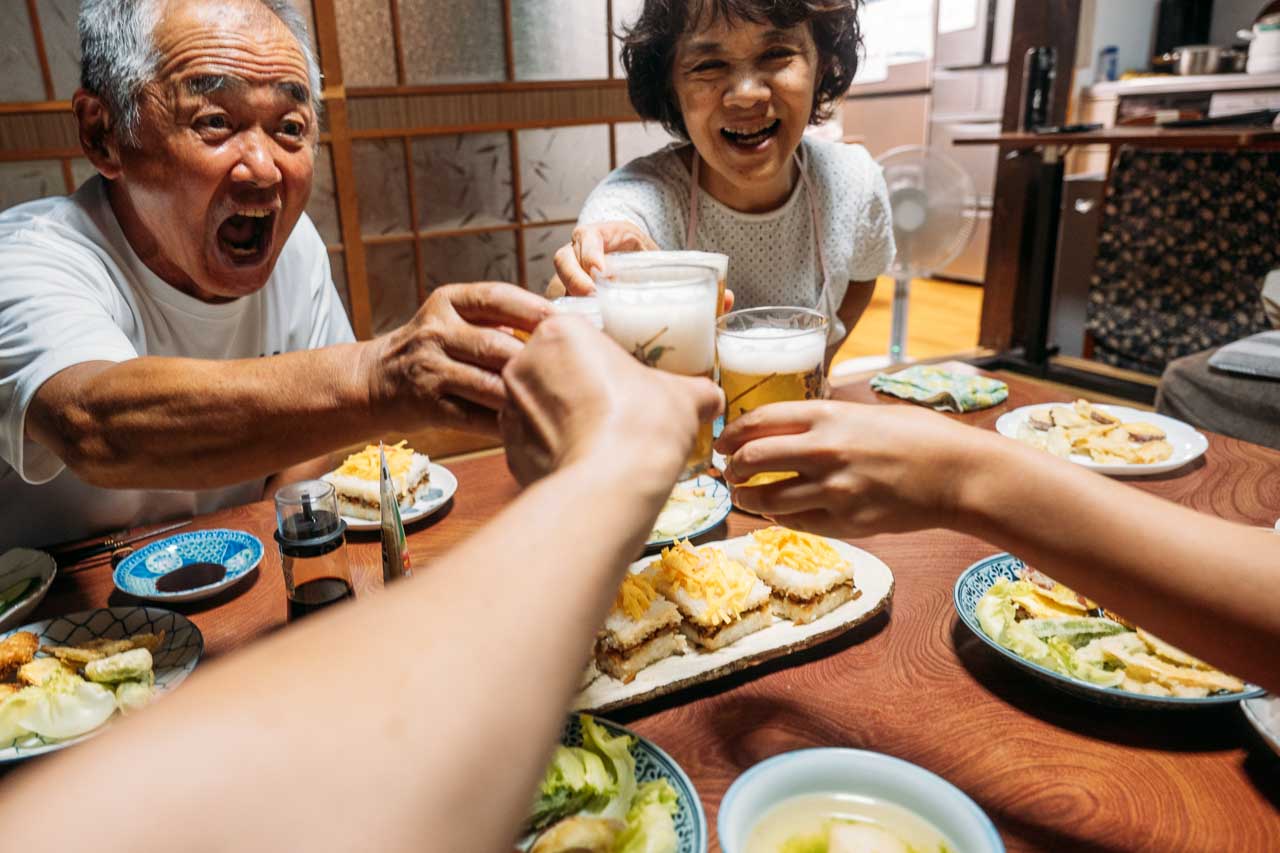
[65,706]
[575,781]
[651,826]
[618,760]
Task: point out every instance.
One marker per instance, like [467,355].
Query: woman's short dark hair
[649,48]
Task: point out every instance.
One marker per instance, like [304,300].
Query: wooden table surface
[1052,771]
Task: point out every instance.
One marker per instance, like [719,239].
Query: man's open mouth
[245,236]
[751,135]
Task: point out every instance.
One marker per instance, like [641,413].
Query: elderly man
[170,335]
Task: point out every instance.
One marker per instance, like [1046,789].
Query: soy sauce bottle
[312,539]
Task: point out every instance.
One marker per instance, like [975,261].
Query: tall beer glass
[770,355]
[666,317]
[635,260]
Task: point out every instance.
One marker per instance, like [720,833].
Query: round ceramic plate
[652,764]
[1188,444]
[856,772]
[1263,713]
[23,565]
[237,551]
[442,488]
[173,661]
[718,492]
[974,582]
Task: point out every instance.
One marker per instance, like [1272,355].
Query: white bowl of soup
[850,801]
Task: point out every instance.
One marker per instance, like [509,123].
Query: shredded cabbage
[651,824]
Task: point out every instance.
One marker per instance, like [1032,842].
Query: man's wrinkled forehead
[214,44]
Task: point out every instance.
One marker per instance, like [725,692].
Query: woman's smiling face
[746,93]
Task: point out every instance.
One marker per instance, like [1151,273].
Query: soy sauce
[315,595]
[191,576]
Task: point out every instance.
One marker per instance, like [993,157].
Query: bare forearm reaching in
[387,724]
[169,423]
[871,469]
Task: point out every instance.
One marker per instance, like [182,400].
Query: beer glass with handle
[770,355]
[666,317]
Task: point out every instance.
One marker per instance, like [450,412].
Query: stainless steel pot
[1234,61]
[1194,59]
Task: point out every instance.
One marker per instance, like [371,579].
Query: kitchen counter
[1171,83]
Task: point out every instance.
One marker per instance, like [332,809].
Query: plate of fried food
[1074,644]
[695,507]
[65,679]
[607,788]
[1115,440]
[693,614]
[421,486]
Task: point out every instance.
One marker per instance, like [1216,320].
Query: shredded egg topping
[707,574]
[803,552]
[635,596]
[364,465]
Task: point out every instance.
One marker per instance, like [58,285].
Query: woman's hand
[862,469]
[577,261]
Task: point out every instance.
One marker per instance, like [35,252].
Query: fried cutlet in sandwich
[15,652]
[721,599]
[642,628]
[808,576]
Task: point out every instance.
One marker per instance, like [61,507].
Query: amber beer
[666,317]
[635,260]
[770,355]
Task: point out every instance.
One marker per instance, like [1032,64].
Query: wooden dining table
[1054,772]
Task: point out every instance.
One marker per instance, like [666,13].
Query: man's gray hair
[118,56]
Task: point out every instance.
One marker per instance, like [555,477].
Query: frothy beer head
[664,316]
[763,350]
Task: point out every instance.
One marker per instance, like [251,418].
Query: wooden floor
[942,319]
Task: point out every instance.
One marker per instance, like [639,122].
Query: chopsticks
[110,545]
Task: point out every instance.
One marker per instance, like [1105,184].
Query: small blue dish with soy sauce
[189,566]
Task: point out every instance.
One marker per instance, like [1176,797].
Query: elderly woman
[804,222]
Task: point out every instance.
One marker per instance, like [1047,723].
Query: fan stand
[898,331]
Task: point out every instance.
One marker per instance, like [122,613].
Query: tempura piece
[125,666]
[40,670]
[16,651]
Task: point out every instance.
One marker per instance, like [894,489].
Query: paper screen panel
[19,68]
[366,42]
[625,13]
[452,47]
[636,139]
[473,257]
[393,291]
[323,206]
[81,171]
[28,181]
[540,245]
[463,181]
[559,167]
[61,44]
[338,269]
[560,39]
[382,185]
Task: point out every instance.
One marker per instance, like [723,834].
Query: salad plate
[25,578]
[140,574]
[1263,713]
[695,507]
[1188,443]
[974,583]
[443,486]
[173,661]
[652,765]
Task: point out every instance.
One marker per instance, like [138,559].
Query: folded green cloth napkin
[941,389]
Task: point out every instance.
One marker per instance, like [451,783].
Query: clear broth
[810,814]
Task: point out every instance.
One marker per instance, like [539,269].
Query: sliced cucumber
[12,594]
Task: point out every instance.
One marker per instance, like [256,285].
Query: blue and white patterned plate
[719,492]
[236,550]
[652,764]
[974,582]
[172,662]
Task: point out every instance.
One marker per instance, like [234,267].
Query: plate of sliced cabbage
[607,788]
[1061,637]
[695,507]
[65,679]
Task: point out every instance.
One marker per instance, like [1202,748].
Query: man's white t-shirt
[771,255]
[73,291]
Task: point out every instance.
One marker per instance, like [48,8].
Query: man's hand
[862,469]
[584,254]
[573,395]
[443,367]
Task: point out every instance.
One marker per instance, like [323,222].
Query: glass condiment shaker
[312,535]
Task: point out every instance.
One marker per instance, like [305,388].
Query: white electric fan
[932,197]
